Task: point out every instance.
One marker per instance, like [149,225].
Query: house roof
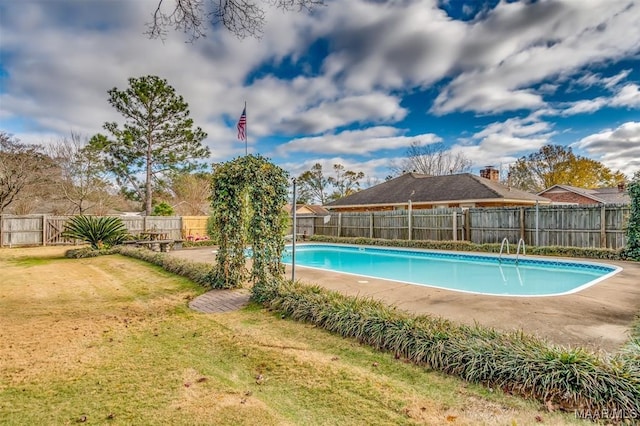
[420,188]
[318,210]
[307,209]
[600,195]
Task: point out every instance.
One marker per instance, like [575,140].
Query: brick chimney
[491,173]
[622,186]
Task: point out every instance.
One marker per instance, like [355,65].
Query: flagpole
[246,134]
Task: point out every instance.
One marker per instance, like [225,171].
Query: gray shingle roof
[424,188]
[601,195]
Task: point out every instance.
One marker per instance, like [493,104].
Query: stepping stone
[216,301]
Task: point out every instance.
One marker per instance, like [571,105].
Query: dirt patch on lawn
[54,314]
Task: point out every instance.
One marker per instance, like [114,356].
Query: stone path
[216,301]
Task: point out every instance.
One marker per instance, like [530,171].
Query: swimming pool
[470,273]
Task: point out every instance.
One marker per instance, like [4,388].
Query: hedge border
[590,253]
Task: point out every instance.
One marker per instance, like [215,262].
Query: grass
[111,340]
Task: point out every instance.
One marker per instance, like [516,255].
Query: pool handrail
[504,240]
[524,250]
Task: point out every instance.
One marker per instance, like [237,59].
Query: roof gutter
[416,204]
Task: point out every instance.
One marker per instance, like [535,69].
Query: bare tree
[192,193]
[23,169]
[345,182]
[243,18]
[82,183]
[433,159]
[313,185]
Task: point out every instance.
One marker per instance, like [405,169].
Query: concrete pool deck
[597,317]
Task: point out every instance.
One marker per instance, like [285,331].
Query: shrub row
[85,252]
[197,272]
[200,243]
[569,379]
[591,253]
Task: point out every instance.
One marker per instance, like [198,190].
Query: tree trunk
[147,192]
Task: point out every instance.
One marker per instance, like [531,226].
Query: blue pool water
[485,274]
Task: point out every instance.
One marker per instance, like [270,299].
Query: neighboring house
[307,209]
[565,194]
[428,192]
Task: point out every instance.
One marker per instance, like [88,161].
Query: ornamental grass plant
[562,378]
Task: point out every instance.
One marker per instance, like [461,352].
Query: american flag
[242,125]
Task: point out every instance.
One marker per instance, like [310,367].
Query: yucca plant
[100,232]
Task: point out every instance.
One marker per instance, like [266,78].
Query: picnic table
[156,241]
[154,235]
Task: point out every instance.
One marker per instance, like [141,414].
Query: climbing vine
[632,250]
[248,195]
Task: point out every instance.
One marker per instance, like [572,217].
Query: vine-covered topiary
[632,250]
[248,195]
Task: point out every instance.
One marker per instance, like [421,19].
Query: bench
[156,245]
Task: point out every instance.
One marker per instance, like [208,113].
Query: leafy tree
[156,140]
[242,18]
[100,232]
[163,209]
[82,180]
[632,251]
[558,165]
[431,159]
[345,182]
[23,168]
[313,185]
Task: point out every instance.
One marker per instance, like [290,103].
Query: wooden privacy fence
[575,226]
[571,226]
[39,230]
[194,226]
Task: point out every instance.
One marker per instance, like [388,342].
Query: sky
[354,82]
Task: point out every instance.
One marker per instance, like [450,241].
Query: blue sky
[354,82]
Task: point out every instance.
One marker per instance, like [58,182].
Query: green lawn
[110,340]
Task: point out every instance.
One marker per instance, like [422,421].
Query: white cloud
[521,44]
[501,143]
[585,106]
[61,58]
[515,127]
[619,148]
[390,45]
[360,142]
[590,79]
[628,96]
[374,107]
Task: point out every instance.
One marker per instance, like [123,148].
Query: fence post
[410,220]
[467,224]
[339,224]
[522,223]
[371,225]
[455,225]
[44,230]
[603,229]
